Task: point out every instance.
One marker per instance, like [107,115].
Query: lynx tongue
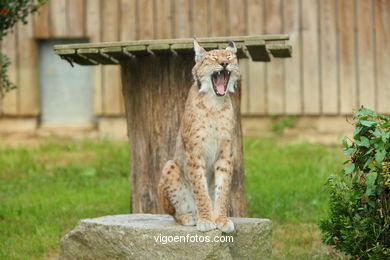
[219,83]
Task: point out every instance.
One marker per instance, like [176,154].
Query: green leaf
[371,203]
[367,123]
[363,142]
[357,131]
[344,142]
[376,133]
[349,151]
[386,136]
[349,169]
[364,112]
[379,156]
[371,178]
[370,160]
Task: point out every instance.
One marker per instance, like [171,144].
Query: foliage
[5,83]
[360,202]
[282,123]
[11,12]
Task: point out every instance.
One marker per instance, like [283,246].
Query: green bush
[358,223]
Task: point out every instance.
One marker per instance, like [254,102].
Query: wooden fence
[341,49]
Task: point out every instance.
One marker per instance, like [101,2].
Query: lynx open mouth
[220,80]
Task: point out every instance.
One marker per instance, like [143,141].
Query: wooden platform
[258,48]
[156,78]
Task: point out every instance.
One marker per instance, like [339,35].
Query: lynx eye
[230,57]
[211,57]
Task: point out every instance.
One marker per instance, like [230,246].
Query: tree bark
[155,89]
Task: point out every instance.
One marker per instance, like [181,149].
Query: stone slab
[150,236]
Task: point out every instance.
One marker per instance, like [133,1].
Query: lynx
[195,185]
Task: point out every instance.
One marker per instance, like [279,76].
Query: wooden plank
[96,55]
[136,50]
[145,20]
[93,32]
[365,37]
[200,18]
[267,38]
[76,16]
[207,43]
[128,20]
[237,18]
[274,69]
[257,50]
[328,54]
[280,50]
[10,103]
[209,46]
[238,26]
[115,52]
[182,47]
[293,90]
[57,18]
[183,19]
[163,19]
[159,48]
[218,18]
[382,41]
[73,57]
[110,20]
[111,74]
[111,97]
[347,58]
[257,79]
[93,20]
[41,23]
[27,62]
[257,47]
[310,58]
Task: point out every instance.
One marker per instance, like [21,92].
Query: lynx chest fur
[195,185]
[208,125]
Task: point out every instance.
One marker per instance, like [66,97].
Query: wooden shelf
[257,48]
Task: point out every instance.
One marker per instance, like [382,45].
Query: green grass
[285,183]
[46,188]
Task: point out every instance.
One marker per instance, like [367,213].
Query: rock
[149,236]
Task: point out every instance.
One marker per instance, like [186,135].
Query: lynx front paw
[190,220]
[205,225]
[224,224]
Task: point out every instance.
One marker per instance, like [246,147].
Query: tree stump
[155,89]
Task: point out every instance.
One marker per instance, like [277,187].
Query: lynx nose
[224,64]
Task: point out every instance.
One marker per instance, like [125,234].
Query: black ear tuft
[231,47]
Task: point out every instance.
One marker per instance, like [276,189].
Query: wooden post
[155,89]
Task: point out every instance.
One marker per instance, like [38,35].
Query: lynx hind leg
[176,198]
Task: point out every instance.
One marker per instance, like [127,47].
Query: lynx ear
[199,51]
[231,47]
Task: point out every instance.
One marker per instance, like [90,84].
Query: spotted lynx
[195,185]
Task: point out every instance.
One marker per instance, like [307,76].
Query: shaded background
[341,58]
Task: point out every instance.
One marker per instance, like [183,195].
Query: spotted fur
[195,185]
